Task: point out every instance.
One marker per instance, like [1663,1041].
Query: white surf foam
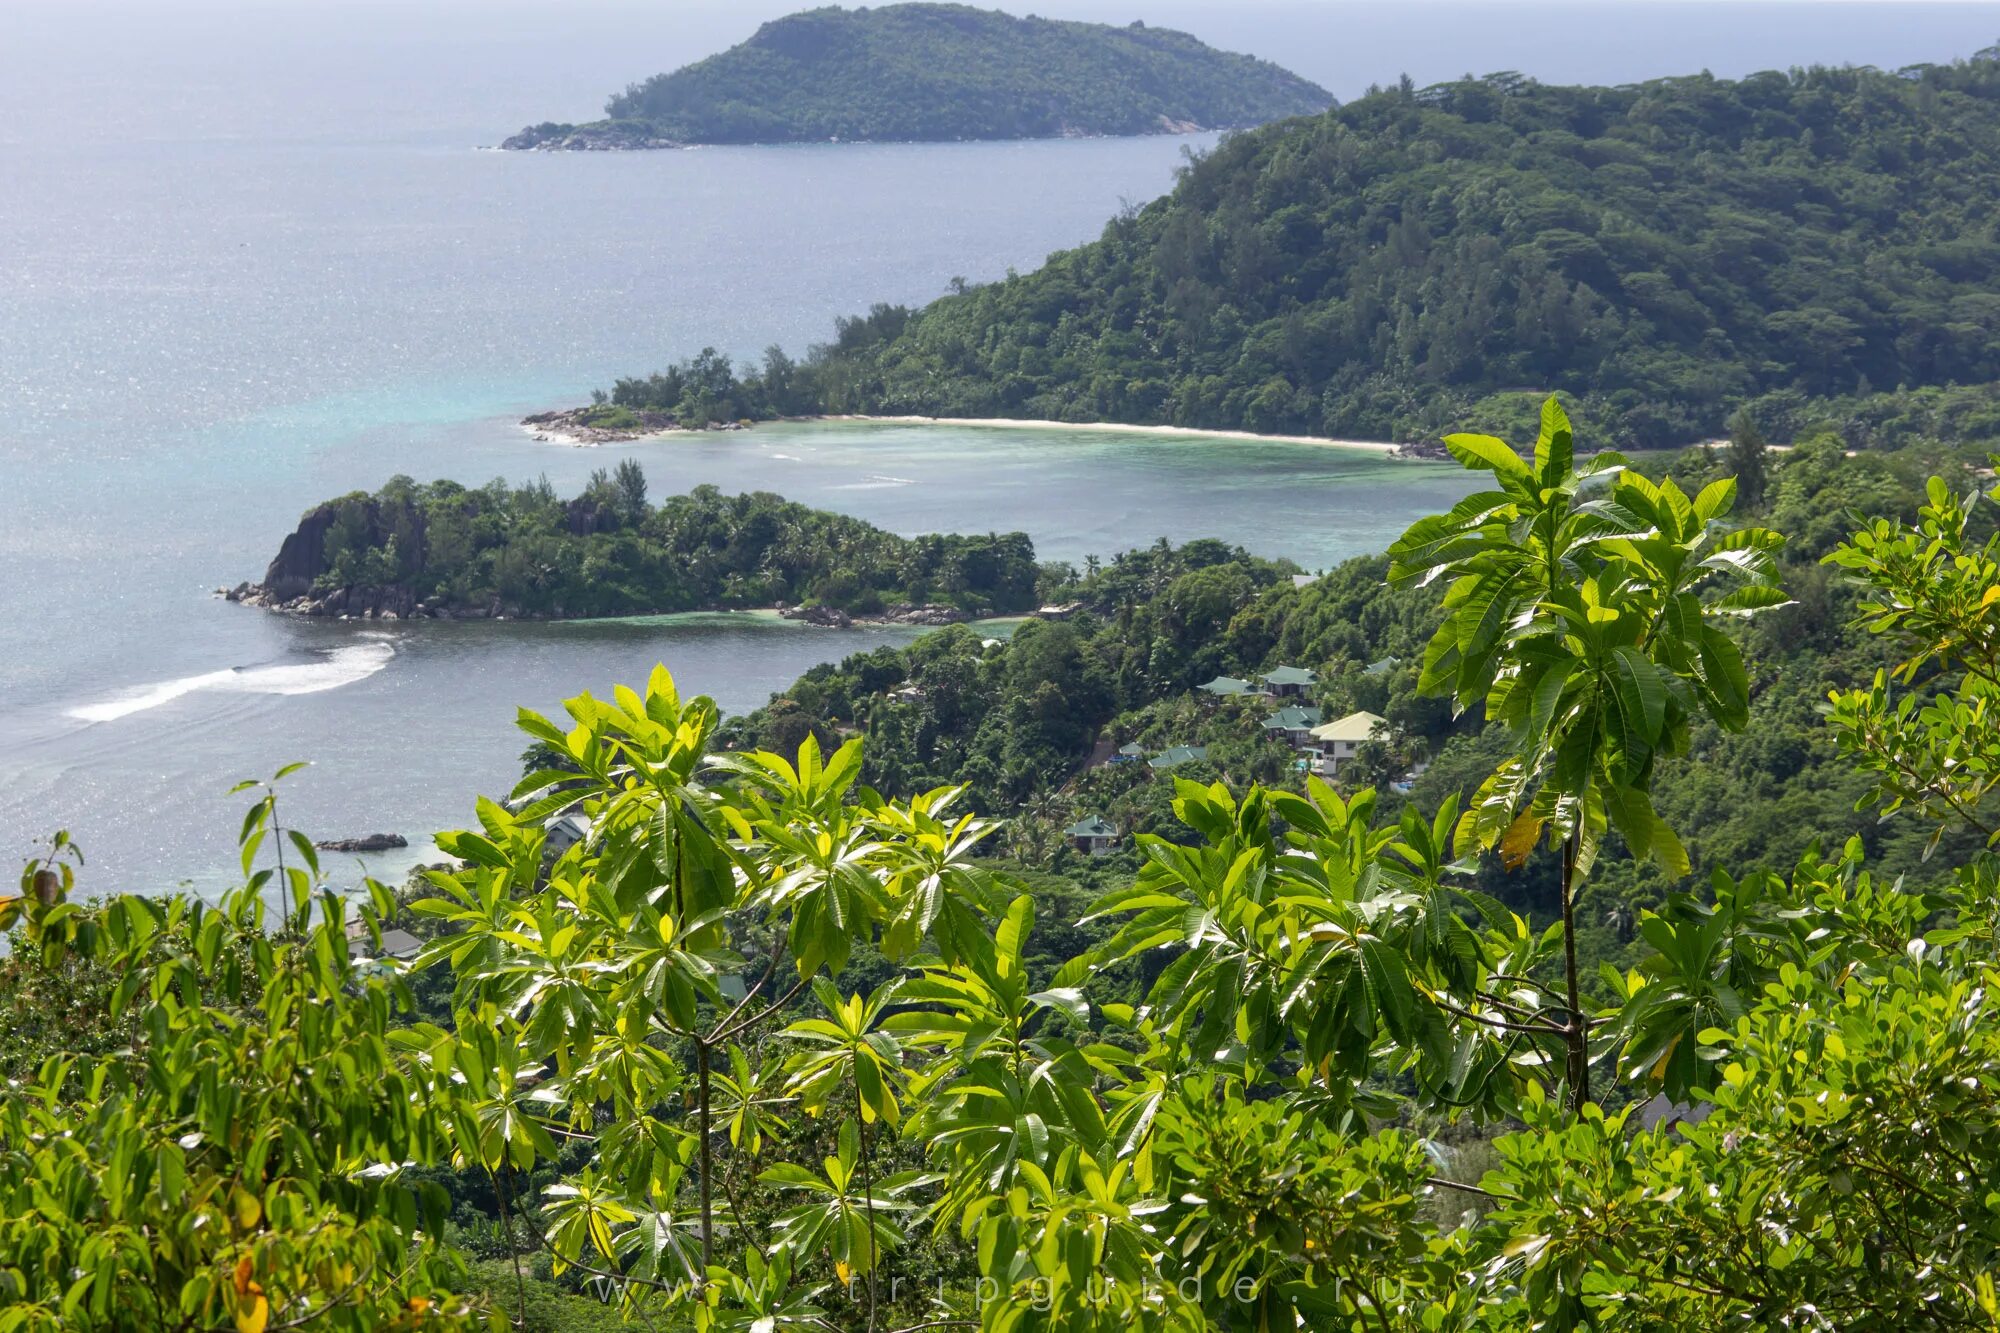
[342,666]
[877,481]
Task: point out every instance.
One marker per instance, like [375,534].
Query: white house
[1339,739]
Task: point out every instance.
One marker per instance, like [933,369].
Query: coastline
[929,616]
[1386,448]
[542,434]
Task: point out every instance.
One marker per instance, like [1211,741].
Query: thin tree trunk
[520,1319]
[1578,1037]
[707,1163]
[867,1198]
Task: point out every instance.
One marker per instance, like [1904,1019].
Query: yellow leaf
[252,1316]
[1991,596]
[248,1209]
[1519,839]
[842,1271]
[1659,1070]
[243,1267]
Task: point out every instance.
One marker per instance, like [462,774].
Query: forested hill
[442,549]
[942,72]
[1663,253]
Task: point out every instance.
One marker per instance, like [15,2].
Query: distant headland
[940,72]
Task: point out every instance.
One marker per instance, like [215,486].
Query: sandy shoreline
[1380,447]
[1122,428]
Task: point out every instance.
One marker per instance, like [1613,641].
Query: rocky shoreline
[602,136]
[571,426]
[832,617]
[361,604]
[371,842]
[400,604]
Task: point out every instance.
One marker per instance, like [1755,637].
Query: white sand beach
[1012,423]
[548,435]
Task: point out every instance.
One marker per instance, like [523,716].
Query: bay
[250,258]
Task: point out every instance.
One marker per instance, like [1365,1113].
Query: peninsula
[1810,245]
[940,72]
[445,551]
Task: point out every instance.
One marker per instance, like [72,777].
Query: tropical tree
[231,1148]
[846,1050]
[1582,615]
[1220,1117]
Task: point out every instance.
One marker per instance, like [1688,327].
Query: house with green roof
[1289,682]
[1176,755]
[1093,835]
[1129,753]
[1380,667]
[1228,687]
[1293,724]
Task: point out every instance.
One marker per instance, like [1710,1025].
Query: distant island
[1816,247]
[940,72]
[448,552]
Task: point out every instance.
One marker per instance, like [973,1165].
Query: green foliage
[522,551]
[233,1156]
[1218,1101]
[1936,747]
[1664,252]
[1578,620]
[944,71]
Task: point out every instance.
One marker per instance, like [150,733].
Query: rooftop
[1289,675]
[1355,727]
[395,943]
[566,829]
[1228,685]
[1176,755]
[1091,826]
[1296,717]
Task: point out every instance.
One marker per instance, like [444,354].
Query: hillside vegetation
[932,71]
[1819,245]
[692,1035]
[1017,725]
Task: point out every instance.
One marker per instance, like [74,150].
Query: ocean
[252,256]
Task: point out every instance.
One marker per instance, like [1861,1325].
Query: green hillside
[1820,244]
[941,72]
[691,1033]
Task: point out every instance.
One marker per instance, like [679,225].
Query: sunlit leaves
[1935,746]
[1577,617]
[235,1161]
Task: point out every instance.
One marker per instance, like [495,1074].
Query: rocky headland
[369,842]
[603,136]
[592,426]
[440,550]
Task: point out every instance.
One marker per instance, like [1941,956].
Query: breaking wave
[342,666]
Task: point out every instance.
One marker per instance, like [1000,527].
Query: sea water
[252,257]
